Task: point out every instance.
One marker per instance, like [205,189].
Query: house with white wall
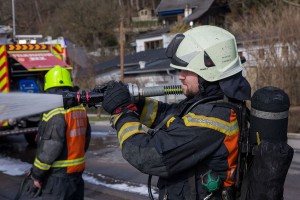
[157,39]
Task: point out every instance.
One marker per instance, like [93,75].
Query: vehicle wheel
[31,138]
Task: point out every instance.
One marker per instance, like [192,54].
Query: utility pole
[13,17]
[121,48]
[38,11]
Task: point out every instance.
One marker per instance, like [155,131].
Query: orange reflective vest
[77,123]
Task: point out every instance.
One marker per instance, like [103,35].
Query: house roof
[200,10]
[155,33]
[159,65]
[171,5]
[132,59]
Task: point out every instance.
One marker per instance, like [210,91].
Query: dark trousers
[63,188]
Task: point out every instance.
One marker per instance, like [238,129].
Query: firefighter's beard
[190,91]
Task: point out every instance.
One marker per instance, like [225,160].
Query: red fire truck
[23,65]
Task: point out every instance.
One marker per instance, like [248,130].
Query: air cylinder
[269,115]
[272,156]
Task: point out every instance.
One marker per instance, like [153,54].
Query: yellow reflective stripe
[170,121]
[57,51]
[76,108]
[2,49]
[3,72]
[129,129]
[47,116]
[59,163]
[68,163]
[3,123]
[149,112]
[40,165]
[115,118]
[228,128]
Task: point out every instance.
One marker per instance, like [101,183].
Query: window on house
[153,44]
[261,53]
[284,51]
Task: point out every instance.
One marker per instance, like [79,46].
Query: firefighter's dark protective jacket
[189,143]
[64,136]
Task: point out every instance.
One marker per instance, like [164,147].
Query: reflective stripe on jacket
[63,134]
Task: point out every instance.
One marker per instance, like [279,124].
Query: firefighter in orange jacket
[64,137]
[194,146]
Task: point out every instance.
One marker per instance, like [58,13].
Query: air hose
[137,91]
[95,97]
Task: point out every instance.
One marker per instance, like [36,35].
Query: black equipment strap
[245,148]
[20,191]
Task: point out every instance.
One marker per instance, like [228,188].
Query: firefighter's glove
[33,188]
[70,99]
[117,98]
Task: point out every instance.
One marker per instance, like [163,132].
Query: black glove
[33,187]
[70,99]
[116,96]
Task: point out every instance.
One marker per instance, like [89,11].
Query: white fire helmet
[209,51]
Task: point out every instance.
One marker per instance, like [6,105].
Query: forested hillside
[88,23]
[94,23]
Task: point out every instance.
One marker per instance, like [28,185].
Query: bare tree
[86,22]
[137,3]
[120,3]
[272,37]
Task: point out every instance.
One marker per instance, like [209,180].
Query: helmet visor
[171,51]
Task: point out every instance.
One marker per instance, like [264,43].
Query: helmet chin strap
[207,88]
[202,86]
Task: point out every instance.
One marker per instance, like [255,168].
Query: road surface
[108,176]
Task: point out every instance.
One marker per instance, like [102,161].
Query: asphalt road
[106,165]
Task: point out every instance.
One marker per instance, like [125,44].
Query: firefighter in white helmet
[194,146]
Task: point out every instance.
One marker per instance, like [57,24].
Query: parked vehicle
[23,64]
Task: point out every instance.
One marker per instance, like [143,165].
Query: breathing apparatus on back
[272,155]
[211,52]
